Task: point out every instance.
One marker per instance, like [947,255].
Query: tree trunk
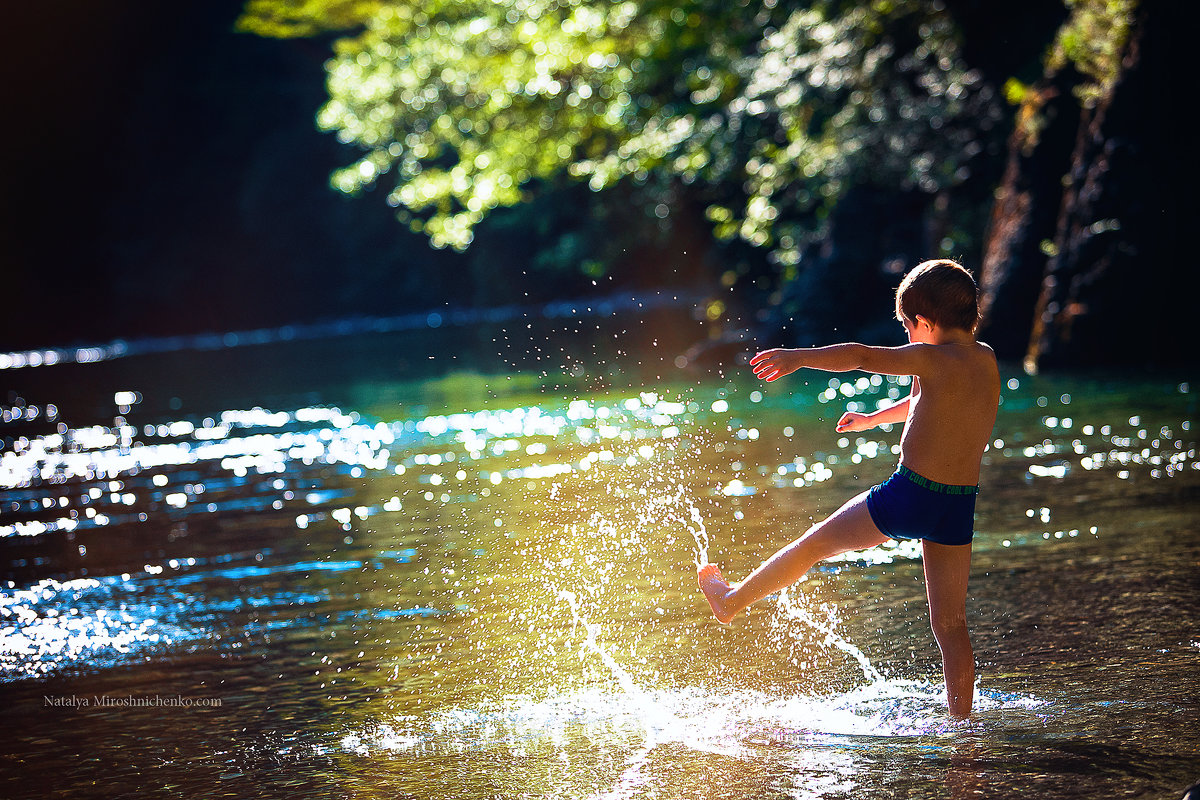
[1113,260]
[1023,217]
[1088,240]
[1081,241]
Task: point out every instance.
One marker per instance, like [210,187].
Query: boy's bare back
[952,409]
[949,414]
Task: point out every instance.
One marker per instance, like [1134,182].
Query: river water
[354,567]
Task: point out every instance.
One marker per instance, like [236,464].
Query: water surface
[338,582]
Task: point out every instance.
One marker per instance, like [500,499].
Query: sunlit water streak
[790,611]
[355,326]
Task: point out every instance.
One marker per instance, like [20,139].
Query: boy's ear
[921,320]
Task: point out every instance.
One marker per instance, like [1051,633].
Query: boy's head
[941,291]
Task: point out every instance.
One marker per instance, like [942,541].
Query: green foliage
[1015,92]
[1093,40]
[767,111]
[288,19]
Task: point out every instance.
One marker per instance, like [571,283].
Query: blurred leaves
[1093,40]
[288,19]
[767,111]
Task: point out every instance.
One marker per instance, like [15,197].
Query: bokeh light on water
[500,600]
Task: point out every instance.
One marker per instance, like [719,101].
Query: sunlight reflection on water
[702,719]
[52,624]
[515,585]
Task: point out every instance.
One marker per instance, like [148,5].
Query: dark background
[164,174]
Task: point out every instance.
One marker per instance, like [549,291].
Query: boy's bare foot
[716,591]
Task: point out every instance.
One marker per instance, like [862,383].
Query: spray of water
[694,524]
[631,777]
[592,645]
[597,552]
[793,611]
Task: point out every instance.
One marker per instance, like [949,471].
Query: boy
[948,418]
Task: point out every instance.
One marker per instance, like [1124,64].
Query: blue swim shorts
[909,506]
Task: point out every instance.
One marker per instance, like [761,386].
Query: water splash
[790,611]
[729,722]
[591,644]
[632,776]
[694,525]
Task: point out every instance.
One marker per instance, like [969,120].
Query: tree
[1084,214]
[766,112]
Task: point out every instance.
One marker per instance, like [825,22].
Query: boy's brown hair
[943,292]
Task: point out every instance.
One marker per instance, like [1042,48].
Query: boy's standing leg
[947,568]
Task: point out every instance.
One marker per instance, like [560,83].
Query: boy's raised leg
[849,528]
[947,568]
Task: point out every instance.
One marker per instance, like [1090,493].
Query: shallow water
[443,587]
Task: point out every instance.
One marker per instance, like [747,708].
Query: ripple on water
[701,719]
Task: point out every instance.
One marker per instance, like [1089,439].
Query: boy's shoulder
[974,357]
[972,347]
[973,370]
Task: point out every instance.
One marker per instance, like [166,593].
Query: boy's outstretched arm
[910,359]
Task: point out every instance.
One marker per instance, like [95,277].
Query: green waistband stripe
[934,486]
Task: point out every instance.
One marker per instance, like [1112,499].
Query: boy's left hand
[853,421]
